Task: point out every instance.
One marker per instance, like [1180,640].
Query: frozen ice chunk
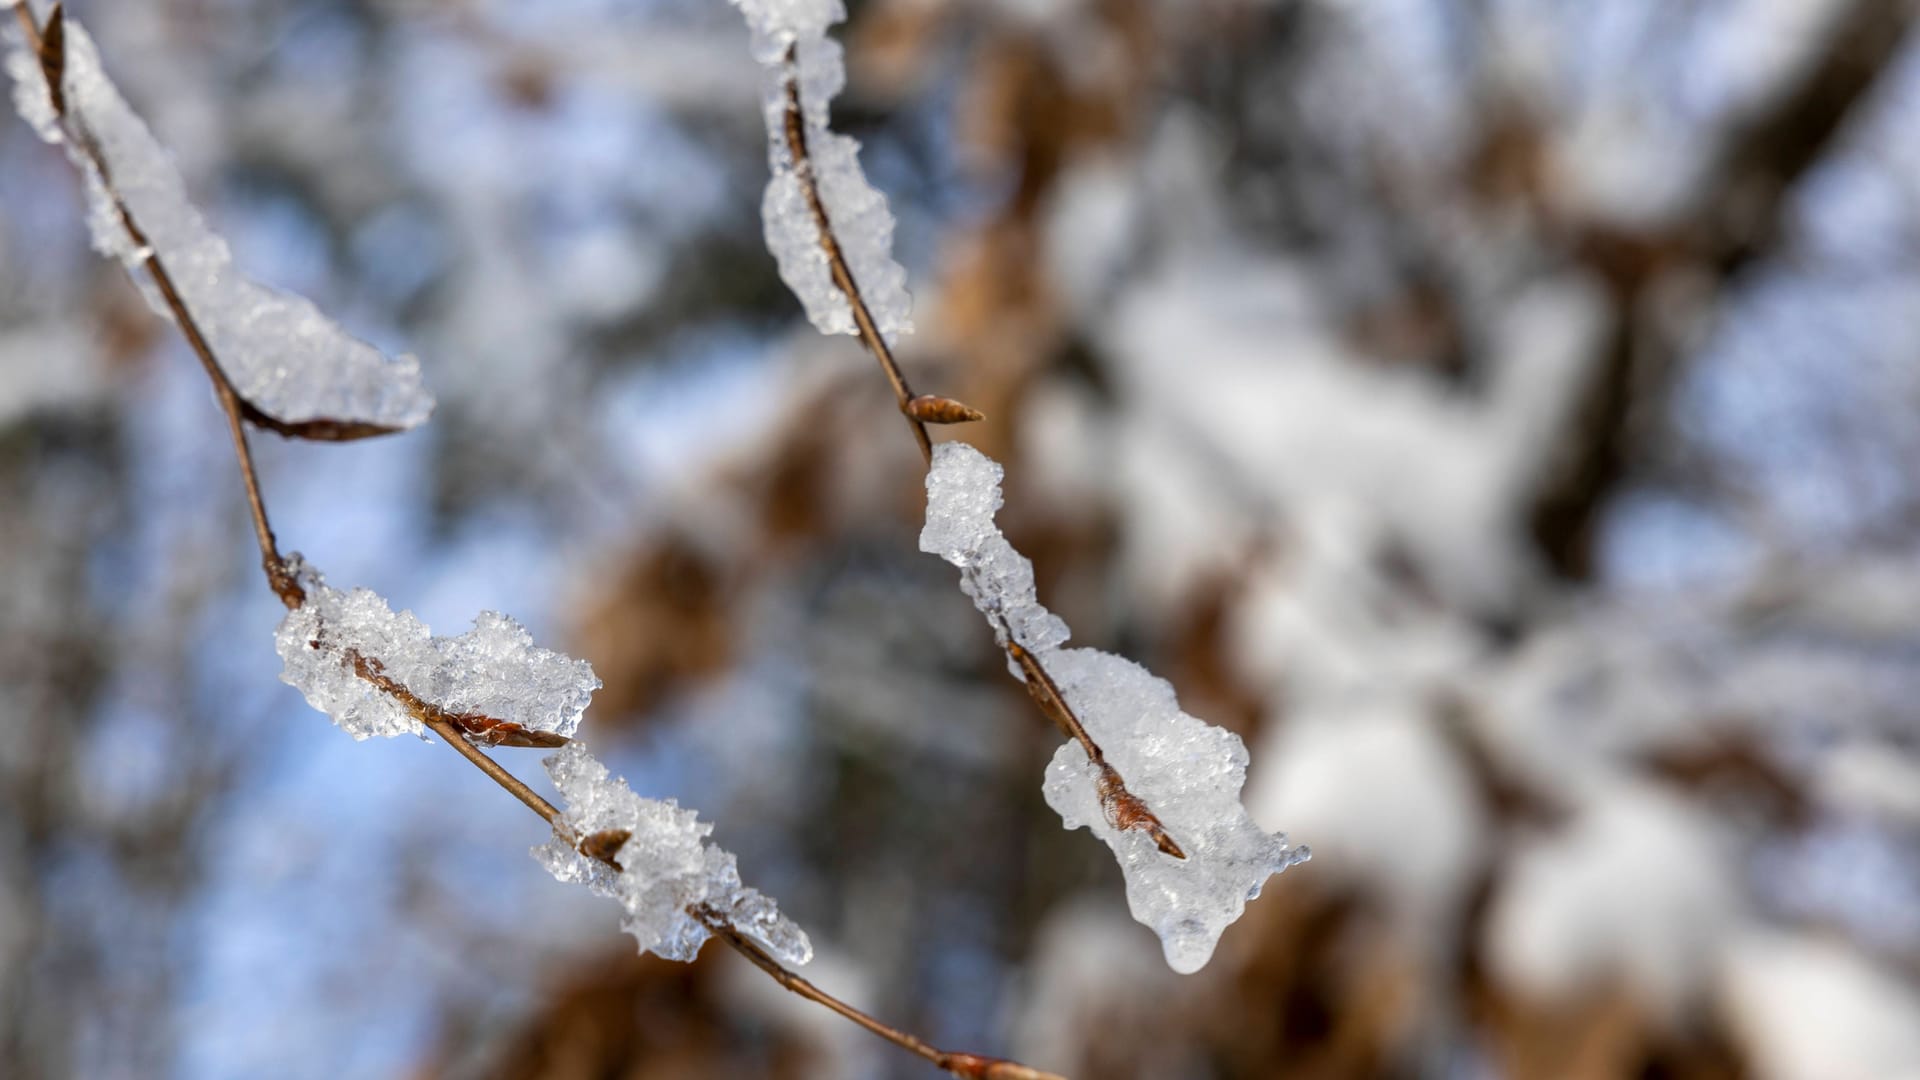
[281,354]
[1187,772]
[493,670]
[963,494]
[777,24]
[666,865]
[862,224]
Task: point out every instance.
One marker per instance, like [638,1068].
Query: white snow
[1639,889]
[1188,773]
[666,866]
[279,351]
[1274,403]
[494,669]
[1814,1009]
[1355,775]
[861,222]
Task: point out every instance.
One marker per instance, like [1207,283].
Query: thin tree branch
[460,730]
[31,28]
[968,1066]
[1124,809]
[604,847]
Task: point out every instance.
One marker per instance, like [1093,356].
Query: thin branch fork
[458,731]
[1124,809]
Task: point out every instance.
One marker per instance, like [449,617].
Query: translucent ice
[777,24]
[1187,772]
[493,670]
[278,350]
[862,224]
[666,866]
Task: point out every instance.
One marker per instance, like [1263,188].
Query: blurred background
[1502,413]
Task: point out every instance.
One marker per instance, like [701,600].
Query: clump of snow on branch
[1187,772]
[666,866]
[278,350]
[493,670]
[790,41]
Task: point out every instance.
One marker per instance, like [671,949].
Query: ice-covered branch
[378,673]
[294,370]
[656,861]
[830,232]
[827,227]
[1188,771]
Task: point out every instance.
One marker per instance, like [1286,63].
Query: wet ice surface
[666,866]
[1187,772]
[494,669]
[279,351]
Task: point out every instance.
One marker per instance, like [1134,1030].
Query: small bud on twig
[979,1067]
[605,845]
[1126,811]
[931,409]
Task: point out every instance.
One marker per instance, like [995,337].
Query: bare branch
[967,1066]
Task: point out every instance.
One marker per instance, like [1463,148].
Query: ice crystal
[492,670]
[789,39]
[1187,772]
[277,349]
[665,865]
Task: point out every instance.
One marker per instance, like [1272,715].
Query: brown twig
[968,1066]
[1124,809]
[32,30]
[459,730]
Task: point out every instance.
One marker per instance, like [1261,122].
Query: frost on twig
[375,672]
[296,370]
[1188,772]
[654,858]
[805,69]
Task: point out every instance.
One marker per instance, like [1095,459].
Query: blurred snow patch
[47,366]
[1388,804]
[1637,889]
[1815,1009]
